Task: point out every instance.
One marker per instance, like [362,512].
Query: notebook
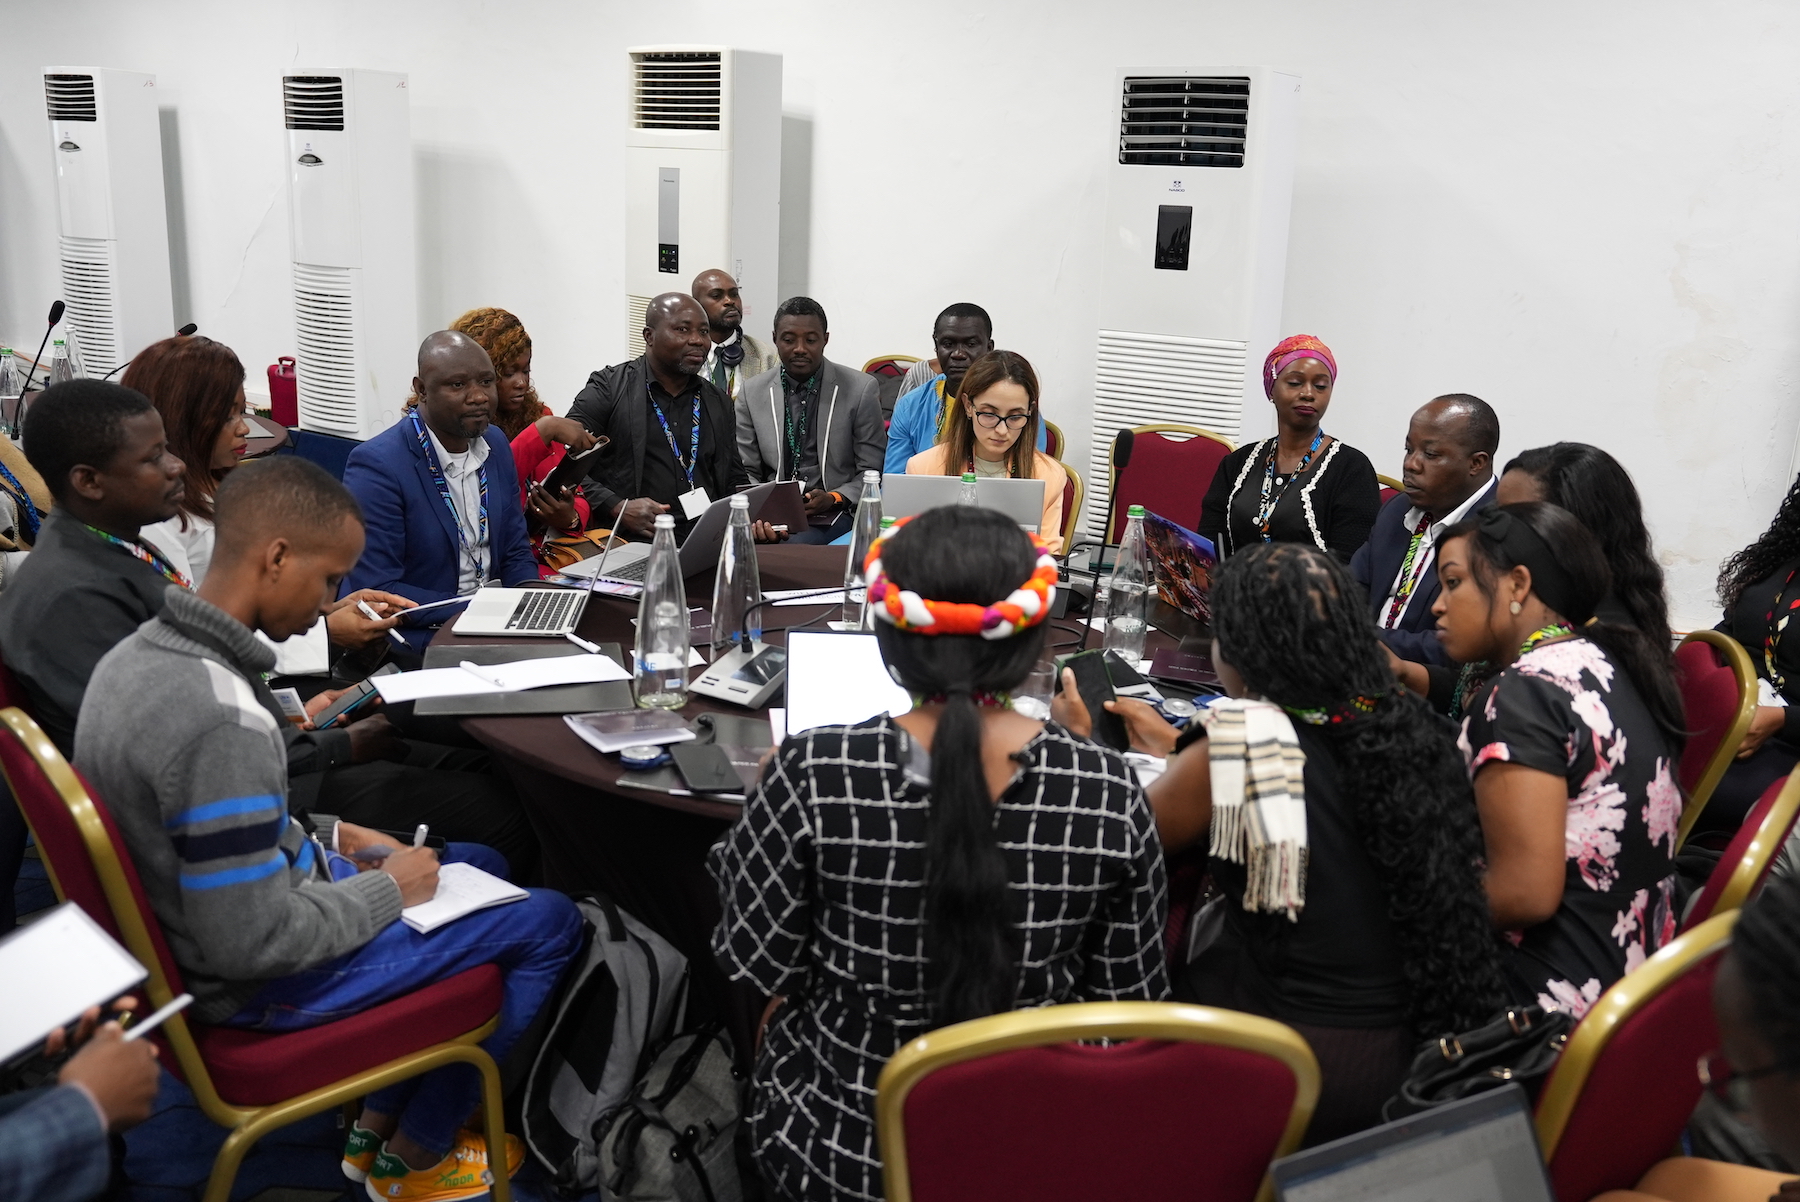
[613,733]
[70,964]
[462,889]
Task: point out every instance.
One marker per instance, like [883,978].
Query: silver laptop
[1020,500]
[1481,1149]
[533,612]
[626,562]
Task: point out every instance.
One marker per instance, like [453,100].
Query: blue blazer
[411,546]
[1377,562]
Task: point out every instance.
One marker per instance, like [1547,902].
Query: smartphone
[1096,687]
[574,467]
[707,768]
[354,698]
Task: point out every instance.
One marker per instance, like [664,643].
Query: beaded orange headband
[1026,606]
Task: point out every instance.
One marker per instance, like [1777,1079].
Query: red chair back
[1184,1121]
[1741,871]
[1170,470]
[1625,1086]
[1709,701]
[1053,440]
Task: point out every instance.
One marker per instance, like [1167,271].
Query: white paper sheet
[517,676]
[60,965]
[781,597]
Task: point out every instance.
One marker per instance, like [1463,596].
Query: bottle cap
[665,521]
[888,523]
[968,477]
[740,501]
[871,477]
[1136,511]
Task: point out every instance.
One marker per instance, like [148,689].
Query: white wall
[1583,213]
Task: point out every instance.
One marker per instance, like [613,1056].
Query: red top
[535,459]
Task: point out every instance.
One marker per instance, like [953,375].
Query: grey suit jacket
[852,438]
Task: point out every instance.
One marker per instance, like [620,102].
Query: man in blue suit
[438,489]
[1449,475]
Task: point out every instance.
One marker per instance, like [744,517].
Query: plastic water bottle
[1127,607]
[60,368]
[77,361]
[661,663]
[966,494]
[10,387]
[864,532]
[737,590]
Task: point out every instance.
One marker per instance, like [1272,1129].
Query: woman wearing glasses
[992,430]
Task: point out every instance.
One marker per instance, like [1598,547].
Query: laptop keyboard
[543,609]
[632,571]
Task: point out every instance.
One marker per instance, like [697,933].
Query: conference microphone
[1121,455]
[183,332]
[56,315]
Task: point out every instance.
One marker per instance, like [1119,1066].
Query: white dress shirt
[462,472]
[1427,547]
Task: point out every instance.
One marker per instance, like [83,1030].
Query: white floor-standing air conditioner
[350,209]
[1194,254]
[702,177]
[114,249]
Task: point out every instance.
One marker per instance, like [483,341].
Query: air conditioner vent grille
[1143,379]
[676,91]
[325,352]
[87,287]
[313,101]
[71,97]
[634,324]
[1184,122]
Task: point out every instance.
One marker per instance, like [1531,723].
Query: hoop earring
[1515,607]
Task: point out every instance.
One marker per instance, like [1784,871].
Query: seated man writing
[674,439]
[812,420]
[182,737]
[440,489]
[90,582]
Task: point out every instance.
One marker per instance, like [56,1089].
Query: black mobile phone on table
[1094,684]
[707,768]
[354,698]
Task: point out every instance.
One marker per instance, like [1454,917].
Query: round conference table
[603,828]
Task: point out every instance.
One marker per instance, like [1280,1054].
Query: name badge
[694,503]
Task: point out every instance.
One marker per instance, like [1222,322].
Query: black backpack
[674,1140]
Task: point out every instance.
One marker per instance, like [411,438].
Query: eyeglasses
[1730,1086]
[987,419]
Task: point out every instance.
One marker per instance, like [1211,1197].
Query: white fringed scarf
[1259,801]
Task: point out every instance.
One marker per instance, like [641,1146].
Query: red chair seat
[1214,1116]
[254,1068]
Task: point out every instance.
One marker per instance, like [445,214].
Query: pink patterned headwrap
[1291,350]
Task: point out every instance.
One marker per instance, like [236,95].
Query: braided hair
[1766,945]
[1294,624]
[503,337]
[973,556]
[1594,487]
[1779,544]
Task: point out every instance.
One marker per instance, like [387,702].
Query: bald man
[674,437]
[1449,475]
[440,491]
[735,356]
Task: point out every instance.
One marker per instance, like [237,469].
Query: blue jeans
[531,941]
[840,526]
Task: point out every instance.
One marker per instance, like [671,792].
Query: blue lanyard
[1267,509]
[693,458]
[31,510]
[443,487]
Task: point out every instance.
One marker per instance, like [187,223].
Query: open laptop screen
[1481,1149]
[838,680]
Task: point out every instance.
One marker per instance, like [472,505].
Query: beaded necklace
[1267,509]
[1776,628]
[983,700]
[1337,714]
[1554,630]
[142,553]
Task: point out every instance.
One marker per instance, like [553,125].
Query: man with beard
[439,489]
[735,356]
[673,436]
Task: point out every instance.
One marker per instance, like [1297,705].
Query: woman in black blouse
[1393,944]
[1572,748]
[906,873]
[1301,486]
[1760,587]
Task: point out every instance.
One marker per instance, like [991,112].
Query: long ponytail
[974,556]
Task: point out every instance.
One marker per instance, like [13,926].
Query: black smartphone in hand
[1095,685]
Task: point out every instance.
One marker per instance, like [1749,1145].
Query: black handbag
[1519,1045]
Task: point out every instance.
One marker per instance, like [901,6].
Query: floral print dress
[1565,708]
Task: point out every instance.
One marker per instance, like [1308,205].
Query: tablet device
[64,963]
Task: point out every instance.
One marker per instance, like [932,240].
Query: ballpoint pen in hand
[375,617]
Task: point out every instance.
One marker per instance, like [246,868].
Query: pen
[590,648]
[375,617]
[419,835]
[156,1020]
